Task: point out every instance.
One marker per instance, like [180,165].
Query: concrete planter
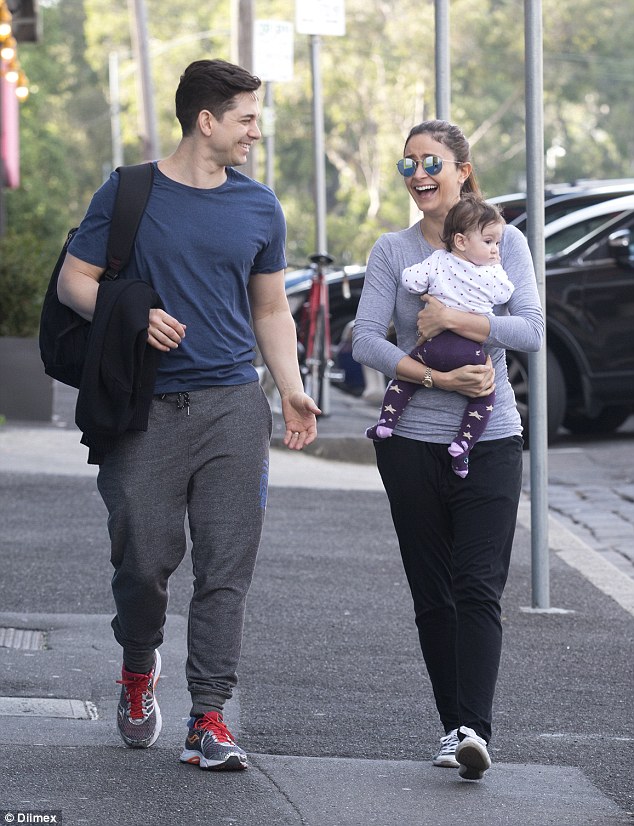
[26,392]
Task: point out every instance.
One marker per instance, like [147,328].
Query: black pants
[455,537]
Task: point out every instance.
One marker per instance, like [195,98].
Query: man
[211,244]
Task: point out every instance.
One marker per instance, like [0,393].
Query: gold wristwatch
[428,381]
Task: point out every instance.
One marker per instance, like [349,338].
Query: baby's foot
[459,452]
[379,432]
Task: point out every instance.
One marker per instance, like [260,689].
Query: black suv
[562,199]
[589,320]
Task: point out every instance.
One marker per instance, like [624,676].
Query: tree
[62,158]
[378,80]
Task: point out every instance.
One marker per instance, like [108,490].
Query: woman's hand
[436,318]
[473,380]
[432,319]
[164,332]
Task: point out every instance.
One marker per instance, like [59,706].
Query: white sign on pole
[320,17]
[273,50]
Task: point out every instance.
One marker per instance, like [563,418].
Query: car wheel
[517,364]
[608,420]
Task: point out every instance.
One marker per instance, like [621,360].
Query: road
[333,701]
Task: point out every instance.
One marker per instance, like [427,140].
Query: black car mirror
[621,246]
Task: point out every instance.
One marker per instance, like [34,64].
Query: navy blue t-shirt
[198,248]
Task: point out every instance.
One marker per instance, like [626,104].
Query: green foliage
[377,82]
[64,146]
[26,261]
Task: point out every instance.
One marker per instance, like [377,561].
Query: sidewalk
[563,751]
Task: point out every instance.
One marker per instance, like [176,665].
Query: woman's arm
[522,326]
[374,313]
[435,317]
[369,344]
[473,380]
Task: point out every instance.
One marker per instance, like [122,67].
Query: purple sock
[459,452]
[379,431]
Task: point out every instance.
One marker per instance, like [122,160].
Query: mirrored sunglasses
[432,165]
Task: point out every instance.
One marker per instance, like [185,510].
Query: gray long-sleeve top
[434,415]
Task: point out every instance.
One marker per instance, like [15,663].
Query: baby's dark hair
[469,214]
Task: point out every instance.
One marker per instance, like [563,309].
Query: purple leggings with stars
[444,352]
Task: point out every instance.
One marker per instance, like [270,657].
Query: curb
[336,448]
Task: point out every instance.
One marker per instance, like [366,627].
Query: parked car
[589,320]
[562,199]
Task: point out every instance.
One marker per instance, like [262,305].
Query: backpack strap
[135,183]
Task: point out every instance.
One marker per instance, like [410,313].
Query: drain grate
[47,707]
[26,639]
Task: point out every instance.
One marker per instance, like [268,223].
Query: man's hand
[299,412]
[164,332]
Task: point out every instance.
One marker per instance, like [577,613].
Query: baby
[467,275]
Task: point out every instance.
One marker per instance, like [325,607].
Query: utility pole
[242,54]
[268,124]
[115,110]
[442,59]
[138,26]
[538,410]
[319,146]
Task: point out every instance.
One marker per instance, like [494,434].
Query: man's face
[232,136]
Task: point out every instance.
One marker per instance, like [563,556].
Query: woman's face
[434,194]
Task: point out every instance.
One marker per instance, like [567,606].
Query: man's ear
[206,122]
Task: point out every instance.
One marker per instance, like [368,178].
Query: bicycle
[314,334]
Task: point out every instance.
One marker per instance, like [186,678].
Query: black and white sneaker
[138,714]
[471,754]
[210,745]
[446,757]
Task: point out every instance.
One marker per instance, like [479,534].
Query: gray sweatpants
[207,462]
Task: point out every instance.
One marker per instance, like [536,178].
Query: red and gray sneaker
[210,745]
[138,714]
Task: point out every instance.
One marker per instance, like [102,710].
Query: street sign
[273,50]
[320,17]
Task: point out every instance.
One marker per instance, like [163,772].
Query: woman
[455,534]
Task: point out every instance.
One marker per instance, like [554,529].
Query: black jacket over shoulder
[119,373]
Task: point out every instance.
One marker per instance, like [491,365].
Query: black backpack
[64,333]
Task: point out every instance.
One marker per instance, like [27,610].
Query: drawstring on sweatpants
[182,400]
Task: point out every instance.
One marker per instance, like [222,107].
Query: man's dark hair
[211,85]
[469,214]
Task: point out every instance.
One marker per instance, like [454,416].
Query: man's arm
[275,333]
[77,287]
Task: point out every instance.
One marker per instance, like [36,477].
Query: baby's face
[483,246]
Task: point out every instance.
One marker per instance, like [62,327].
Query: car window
[553,211]
[564,205]
[565,238]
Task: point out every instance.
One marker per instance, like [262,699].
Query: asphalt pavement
[333,704]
